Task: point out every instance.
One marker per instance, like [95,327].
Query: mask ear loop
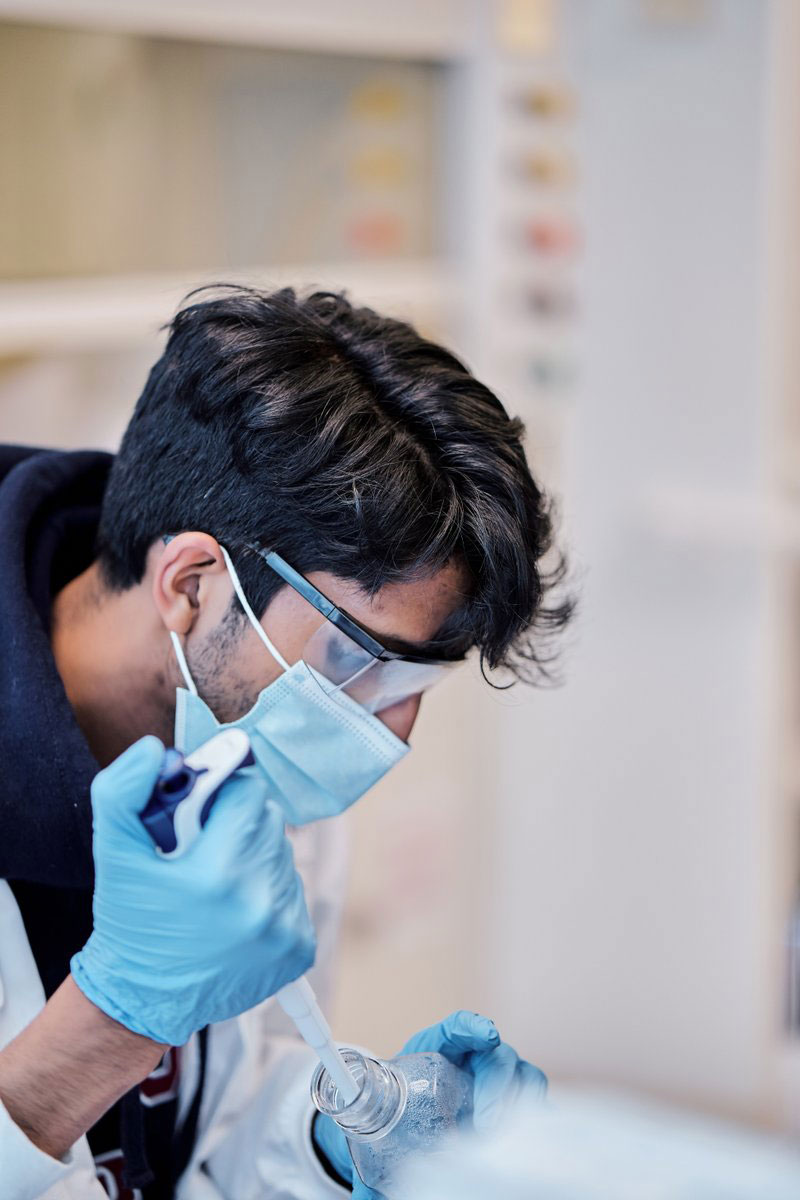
[253,619]
[182,663]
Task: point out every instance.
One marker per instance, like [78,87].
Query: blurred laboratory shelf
[415,29]
[117,311]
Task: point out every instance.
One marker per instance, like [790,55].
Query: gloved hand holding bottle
[178,944]
[471,1043]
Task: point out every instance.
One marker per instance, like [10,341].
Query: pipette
[178,809]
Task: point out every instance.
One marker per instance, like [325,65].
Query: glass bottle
[403,1107]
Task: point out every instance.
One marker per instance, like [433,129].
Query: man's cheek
[400,718]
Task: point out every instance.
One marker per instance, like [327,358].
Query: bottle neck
[377,1108]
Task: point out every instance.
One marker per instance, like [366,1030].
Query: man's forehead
[403,615]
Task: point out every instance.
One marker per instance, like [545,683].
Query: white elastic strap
[182,663]
[254,621]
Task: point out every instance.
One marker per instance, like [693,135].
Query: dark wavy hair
[348,443]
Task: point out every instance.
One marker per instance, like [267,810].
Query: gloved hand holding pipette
[178,944]
[178,805]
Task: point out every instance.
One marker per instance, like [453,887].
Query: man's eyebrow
[390,641]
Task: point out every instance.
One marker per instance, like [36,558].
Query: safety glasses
[352,659]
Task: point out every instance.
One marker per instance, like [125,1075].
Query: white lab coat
[253,1139]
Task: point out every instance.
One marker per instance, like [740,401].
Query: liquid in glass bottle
[403,1108]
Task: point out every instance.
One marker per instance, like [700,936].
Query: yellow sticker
[381,99]
[548,100]
[548,167]
[527,26]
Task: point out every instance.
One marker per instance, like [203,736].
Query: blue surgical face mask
[318,749]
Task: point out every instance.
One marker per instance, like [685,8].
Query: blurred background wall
[596,205]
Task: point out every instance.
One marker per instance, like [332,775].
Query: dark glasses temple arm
[321,602]
[299,583]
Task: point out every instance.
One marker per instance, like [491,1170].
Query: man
[314,514]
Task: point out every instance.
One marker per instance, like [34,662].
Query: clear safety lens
[373,683]
[388,683]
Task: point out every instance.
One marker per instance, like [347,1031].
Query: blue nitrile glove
[179,943]
[472,1043]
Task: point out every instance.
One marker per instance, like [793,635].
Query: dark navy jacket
[49,508]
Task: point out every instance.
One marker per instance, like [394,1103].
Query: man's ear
[185,572]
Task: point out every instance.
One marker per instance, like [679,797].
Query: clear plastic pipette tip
[299,1002]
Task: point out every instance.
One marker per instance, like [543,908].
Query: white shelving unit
[416,29]
[101,313]
[482,240]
